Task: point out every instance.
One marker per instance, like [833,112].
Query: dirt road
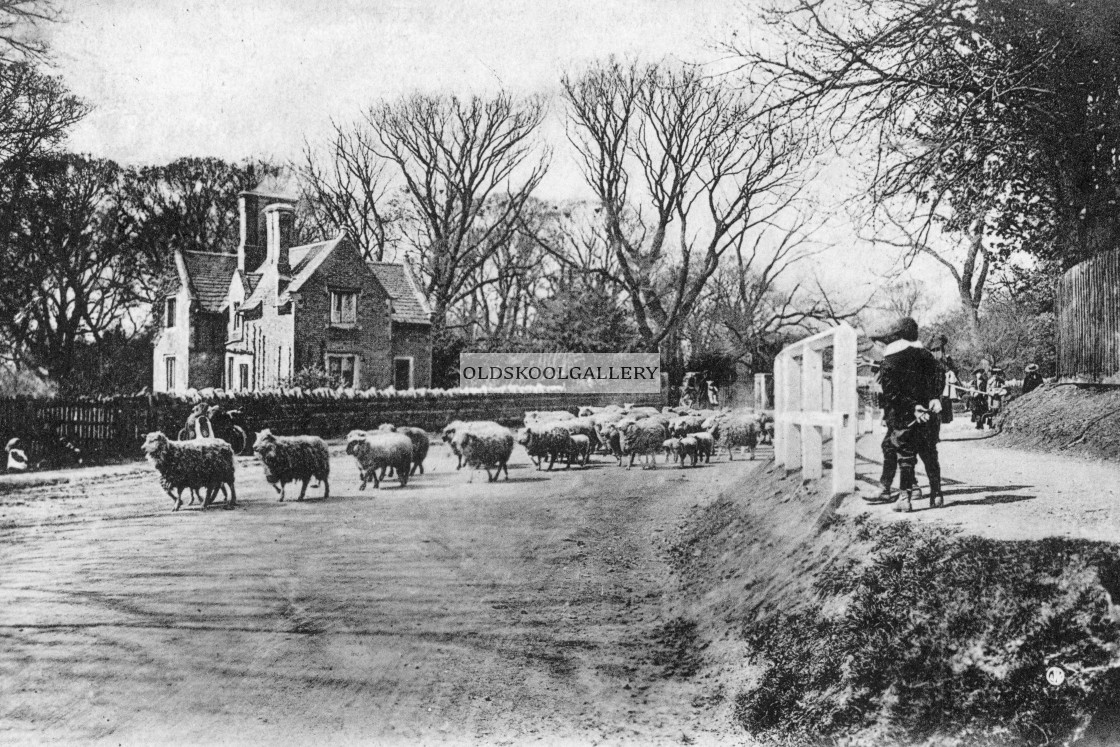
[1006,493]
[441,612]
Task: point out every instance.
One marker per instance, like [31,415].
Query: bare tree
[469,167]
[684,172]
[347,187]
[970,265]
[1000,116]
[752,305]
[36,110]
[20,22]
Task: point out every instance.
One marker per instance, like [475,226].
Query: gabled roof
[250,281]
[409,304]
[209,275]
[305,259]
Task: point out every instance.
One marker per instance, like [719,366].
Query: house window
[169,374]
[342,368]
[402,373]
[244,370]
[229,373]
[344,308]
[236,316]
[169,314]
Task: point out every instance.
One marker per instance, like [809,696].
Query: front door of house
[402,373]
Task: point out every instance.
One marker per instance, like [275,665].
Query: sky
[255,78]
[240,78]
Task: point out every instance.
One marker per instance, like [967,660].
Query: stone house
[253,319]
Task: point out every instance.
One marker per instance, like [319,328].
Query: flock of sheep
[683,436]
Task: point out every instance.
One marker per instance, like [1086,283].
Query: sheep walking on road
[671,446]
[420,443]
[194,465]
[705,445]
[448,436]
[485,445]
[293,458]
[645,437]
[739,430]
[579,450]
[687,449]
[379,451]
[545,441]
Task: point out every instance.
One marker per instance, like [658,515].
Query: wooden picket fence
[1088,324]
[114,429]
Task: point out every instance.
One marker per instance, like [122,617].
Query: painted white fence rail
[806,403]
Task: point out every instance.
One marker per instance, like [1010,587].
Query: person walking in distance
[951,393]
[912,381]
[1032,378]
[979,402]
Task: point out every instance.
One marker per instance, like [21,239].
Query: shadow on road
[973,489]
[989,500]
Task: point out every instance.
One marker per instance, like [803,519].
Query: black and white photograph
[580,372]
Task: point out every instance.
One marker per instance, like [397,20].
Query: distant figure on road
[997,390]
[17,457]
[912,383]
[1032,378]
[979,399]
[950,394]
[713,395]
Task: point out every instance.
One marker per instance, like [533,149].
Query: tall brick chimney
[251,250]
[279,219]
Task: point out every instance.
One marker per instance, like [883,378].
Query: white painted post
[812,436]
[781,404]
[761,391]
[845,402]
[806,403]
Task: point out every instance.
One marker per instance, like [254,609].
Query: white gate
[801,412]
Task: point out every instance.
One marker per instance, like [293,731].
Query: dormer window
[235,311]
[169,313]
[344,308]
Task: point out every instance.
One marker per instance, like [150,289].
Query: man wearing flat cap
[911,380]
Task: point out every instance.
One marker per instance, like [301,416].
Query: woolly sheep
[486,445]
[535,417]
[579,449]
[420,443]
[580,427]
[201,463]
[644,437]
[670,447]
[641,412]
[379,451]
[765,429]
[291,458]
[546,441]
[705,445]
[685,424]
[687,447]
[448,436]
[589,411]
[738,430]
[612,439]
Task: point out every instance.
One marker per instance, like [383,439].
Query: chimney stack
[251,250]
[280,219]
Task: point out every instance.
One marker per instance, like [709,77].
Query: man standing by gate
[912,381]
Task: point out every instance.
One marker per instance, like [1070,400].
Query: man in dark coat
[912,381]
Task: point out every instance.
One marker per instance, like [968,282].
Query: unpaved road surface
[1005,493]
[444,612]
